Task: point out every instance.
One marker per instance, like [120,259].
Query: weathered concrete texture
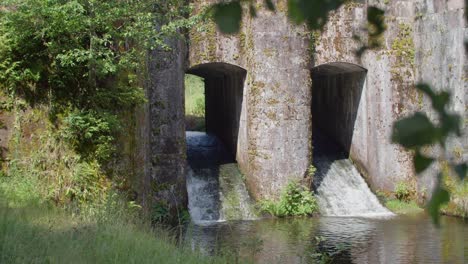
[423,42]
[166,152]
[273,145]
[442,62]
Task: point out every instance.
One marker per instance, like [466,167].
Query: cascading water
[340,188]
[216,190]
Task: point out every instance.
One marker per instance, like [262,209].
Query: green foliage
[199,107]
[86,58]
[458,189]
[160,212]
[74,52]
[404,191]
[295,200]
[194,95]
[115,234]
[194,103]
[311,171]
[44,167]
[417,131]
[402,207]
[91,134]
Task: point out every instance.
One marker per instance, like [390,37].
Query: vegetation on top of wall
[295,200]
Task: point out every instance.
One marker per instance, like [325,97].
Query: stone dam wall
[261,84]
[268,87]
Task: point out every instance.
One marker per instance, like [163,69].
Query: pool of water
[401,239]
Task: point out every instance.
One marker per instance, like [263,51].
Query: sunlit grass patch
[194,103]
[402,207]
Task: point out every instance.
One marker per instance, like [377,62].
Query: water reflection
[354,240]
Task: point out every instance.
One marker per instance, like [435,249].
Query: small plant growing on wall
[404,191]
[311,172]
[295,200]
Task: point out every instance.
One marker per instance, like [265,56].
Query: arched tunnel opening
[223,95]
[214,181]
[337,89]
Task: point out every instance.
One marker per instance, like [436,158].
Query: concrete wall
[415,48]
[274,126]
[164,180]
[273,145]
[272,114]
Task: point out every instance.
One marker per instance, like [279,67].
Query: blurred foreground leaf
[228,16]
[414,131]
[421,162]
[439,198]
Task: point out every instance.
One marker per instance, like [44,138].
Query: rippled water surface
[401,239]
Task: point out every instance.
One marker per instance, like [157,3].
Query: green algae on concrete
[236,203]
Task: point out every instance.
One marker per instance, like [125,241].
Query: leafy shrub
[295,200]
[91,134]
[404,192]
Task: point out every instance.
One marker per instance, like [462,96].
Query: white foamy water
[216,191]
[203,197]
[343,192]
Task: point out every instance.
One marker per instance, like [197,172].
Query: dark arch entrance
[336,94]
[224,90]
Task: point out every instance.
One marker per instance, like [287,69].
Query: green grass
[194,92]
[41,234]
[194,102]
[402,207]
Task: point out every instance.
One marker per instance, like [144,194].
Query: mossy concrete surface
[236,203]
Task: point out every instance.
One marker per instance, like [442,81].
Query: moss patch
[236,203]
